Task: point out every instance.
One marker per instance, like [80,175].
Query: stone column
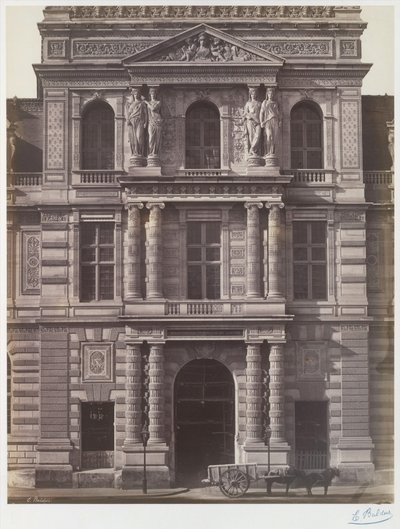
[277,393]
[154,251]
[275,247]
[133,287]
[253,249]
[254,432]
[133,394]
[156,393]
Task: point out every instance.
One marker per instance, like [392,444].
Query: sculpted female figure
[270,121]
[253,126]
[155,123]
[136,114]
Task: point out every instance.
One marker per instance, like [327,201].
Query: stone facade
[104,259]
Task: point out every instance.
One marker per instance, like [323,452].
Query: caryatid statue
[253,125]
[155,124]
[137,118]
[270,119]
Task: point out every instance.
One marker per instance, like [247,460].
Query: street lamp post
[145,438]
[267,441]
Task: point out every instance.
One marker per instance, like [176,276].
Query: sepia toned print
[200,247]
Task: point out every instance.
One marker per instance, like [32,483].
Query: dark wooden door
[97,434]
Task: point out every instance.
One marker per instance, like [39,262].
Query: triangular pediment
[203,44]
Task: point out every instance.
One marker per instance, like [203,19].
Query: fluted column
[154,251]
[275,248]
[277,393]
[156,394]
[133,394]
[133,287]
[253,394]
[253,249]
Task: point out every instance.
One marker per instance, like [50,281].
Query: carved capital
[151,205]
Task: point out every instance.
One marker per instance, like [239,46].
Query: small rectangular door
[97,419]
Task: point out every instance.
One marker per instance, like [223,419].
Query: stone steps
[98,478]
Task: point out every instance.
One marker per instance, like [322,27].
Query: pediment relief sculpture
[204,47]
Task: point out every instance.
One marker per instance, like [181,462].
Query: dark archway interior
[204,419]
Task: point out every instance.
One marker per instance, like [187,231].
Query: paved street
[336,494]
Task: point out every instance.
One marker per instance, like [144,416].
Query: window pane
[311,113]
[300,254]
[318,232]
[314,160]
[193,159]
[300,281]
[98,137]
[88,234]
[202,136]
[194,282]
[213,282]
[296,134]
[194,233]
[88,283]
[313,131]
[193,133]
[106,254]
[212,254]
[319,281]
[297,160]
[106,282]
[299,232]
[213,232]
[318,254]
[194,254]
[106,233]
[88,254]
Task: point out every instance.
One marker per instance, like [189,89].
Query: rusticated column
[154,251]
[253,249]
[133,394]
[156,393]
[253,394]
[133,288]
[277,393]
[275,247]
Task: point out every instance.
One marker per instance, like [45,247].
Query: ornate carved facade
[195,255]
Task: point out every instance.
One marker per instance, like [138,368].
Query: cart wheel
[234,483]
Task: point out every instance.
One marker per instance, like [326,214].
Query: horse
[323,479]
[282,475]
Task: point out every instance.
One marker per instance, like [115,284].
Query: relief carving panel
[55,135]
[31,262]
[350,150]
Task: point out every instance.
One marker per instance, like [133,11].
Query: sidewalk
[336,494]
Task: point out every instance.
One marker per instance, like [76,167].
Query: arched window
[306,136]
[98,136]
[202,136]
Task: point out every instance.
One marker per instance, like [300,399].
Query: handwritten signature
[37,499]
[370,515]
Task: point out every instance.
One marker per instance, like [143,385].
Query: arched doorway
[204,419]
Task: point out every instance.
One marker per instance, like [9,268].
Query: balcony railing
[95,177]
[378,177]
[195,309]
[310,176]
[25,179]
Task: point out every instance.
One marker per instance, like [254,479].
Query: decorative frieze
[97,363]
[107,48]
[203,12]
[31,262]
[300,48]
